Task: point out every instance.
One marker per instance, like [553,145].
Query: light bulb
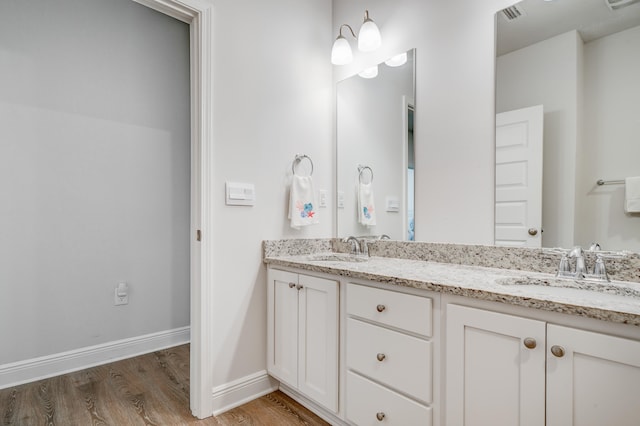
[397,60]
[369,36]
[341,51]
[369,72]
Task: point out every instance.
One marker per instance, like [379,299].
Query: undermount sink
[615,289]
[335,257]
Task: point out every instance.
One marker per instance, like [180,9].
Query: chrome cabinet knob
[557,351]
[299,286]
[380,416]
[530,343]
[381,357]
[292,285]
[533,231]
[380,308]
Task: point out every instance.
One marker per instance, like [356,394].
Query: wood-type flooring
[151,389]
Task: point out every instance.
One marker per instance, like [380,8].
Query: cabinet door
[282,326]
[593,380]
[318,340]
[492,378]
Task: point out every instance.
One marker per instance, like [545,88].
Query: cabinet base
[318,410]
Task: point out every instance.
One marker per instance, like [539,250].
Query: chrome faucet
[564,268]
[355,244]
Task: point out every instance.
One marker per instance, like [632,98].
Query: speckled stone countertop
[617,301]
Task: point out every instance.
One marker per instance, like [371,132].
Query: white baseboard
[241,391]
[40,368]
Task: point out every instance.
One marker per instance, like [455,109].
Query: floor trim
[34,369]
[241,391]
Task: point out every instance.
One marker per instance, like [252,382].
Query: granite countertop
[616,301]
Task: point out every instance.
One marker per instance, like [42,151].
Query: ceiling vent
[619,4]
[514,12]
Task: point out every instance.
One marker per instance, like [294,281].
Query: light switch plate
[322,198]
[340,199]
[393,204]
[240,194]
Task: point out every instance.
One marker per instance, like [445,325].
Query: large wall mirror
[375,150]
[570,71]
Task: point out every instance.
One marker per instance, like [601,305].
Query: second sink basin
[617,289]
[335,257]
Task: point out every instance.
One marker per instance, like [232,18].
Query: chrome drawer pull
[381,308]
[380,416]
[292,285]
[381,357]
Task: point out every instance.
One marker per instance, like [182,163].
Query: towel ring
[298,159]
[361,170]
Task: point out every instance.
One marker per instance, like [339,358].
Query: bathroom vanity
[407,340]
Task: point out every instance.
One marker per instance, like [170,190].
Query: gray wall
[94,173]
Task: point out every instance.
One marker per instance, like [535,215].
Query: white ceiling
[544,19]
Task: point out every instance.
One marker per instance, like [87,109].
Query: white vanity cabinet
[389,357]
[302,337]
[494,375]
[504,369]
[592,378]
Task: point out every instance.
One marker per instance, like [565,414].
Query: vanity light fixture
[369,39]
[371,72]
[341,51]
[397,60]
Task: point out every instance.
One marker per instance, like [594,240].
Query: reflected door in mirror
[519,177]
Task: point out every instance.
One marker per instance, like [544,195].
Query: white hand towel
[366,205]
[632,195]
[302,202]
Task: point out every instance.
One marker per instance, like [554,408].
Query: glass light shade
[369,72]
[341,52]
[369,36]
[397,60]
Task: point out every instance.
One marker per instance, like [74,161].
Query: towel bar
[298,159]
[601,182]
[361,169]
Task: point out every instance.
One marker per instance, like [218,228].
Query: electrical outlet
[121,294]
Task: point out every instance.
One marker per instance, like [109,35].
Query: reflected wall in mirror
[580,60]
[374,137]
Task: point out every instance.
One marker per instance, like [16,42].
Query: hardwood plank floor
[151,389]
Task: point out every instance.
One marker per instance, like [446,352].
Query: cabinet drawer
[404,311]
[366,400]
[403,362]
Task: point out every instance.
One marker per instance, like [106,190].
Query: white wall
[546,73]
[454,120]
[272,99]
[94,174]
[610,148]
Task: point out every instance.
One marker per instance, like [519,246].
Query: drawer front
[400,361]
[400,310]
[369,404]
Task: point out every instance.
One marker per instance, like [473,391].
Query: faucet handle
[564,268]
[599,270]
[581,268]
